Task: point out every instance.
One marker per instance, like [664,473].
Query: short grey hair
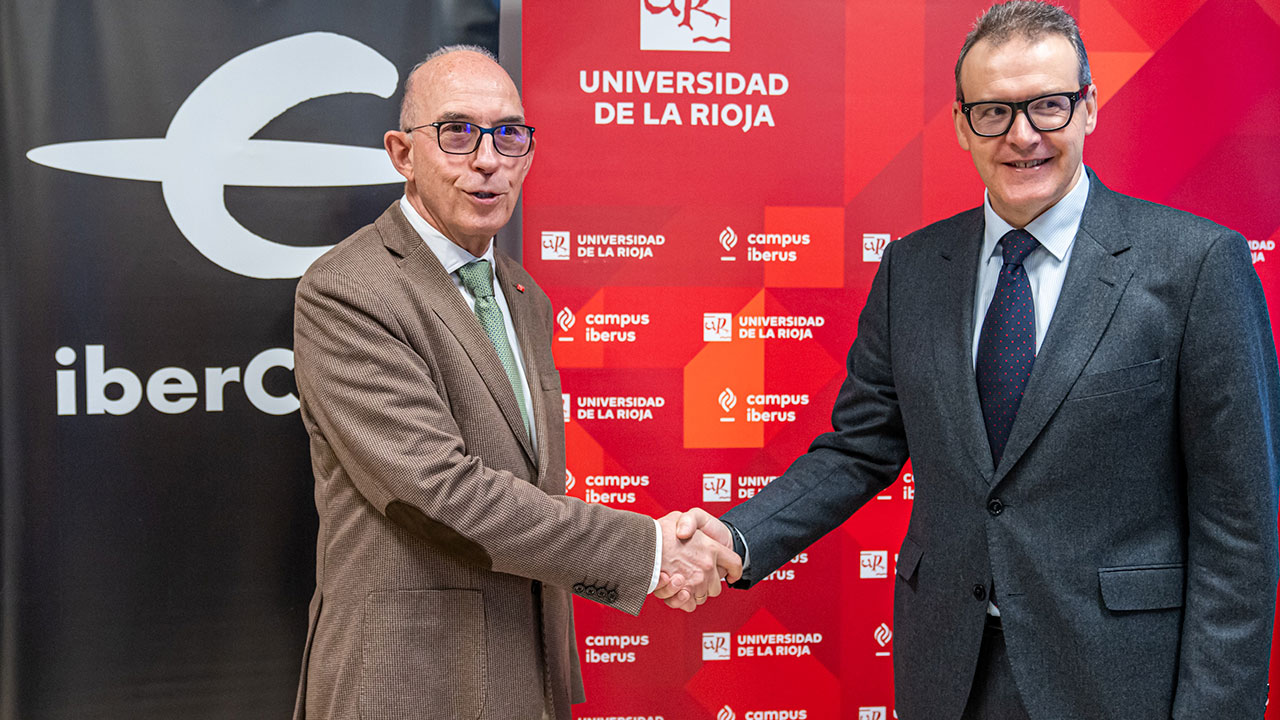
[406,109]
[1026,19]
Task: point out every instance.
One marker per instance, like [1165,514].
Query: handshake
[697,553]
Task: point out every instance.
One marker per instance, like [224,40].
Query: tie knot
[477,279]
[1017,245]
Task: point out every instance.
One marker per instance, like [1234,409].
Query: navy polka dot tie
[1007,345]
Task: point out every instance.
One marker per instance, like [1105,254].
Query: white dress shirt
[452,256]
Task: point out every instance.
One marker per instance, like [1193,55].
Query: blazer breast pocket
[550,380]
[423,654]
[1143,587]
[1118,380]
[909,559]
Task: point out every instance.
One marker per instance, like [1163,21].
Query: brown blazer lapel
[525,324]
[424,269]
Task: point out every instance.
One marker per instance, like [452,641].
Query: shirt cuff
[657,557]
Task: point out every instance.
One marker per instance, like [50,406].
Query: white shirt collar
[1055,228]
[450,254]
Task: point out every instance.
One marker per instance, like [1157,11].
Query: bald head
[448,59]
[467,196]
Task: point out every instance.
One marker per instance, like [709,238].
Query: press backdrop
[715,182]
[168,170]
[158,528]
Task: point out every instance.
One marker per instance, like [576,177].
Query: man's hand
[697,552]
[698,519]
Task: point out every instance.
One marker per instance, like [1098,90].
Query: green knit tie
[478,280]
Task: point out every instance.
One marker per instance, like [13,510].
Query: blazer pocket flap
[1149,587]
[1110,381]
[909,558]
[550,379]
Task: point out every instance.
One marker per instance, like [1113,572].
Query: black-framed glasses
[1046,113]
[463,138]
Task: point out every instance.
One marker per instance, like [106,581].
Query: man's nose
[1021,133]
[486,156]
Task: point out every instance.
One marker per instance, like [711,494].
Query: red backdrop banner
[714,183]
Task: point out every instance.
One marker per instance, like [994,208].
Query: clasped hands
[697,553]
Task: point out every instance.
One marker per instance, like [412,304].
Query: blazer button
[579,588]
[980,592]
[995,507]
[613,596]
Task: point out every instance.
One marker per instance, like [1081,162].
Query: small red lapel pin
[519,287]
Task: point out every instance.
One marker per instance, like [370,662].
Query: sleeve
[376,404]
[1229,415]
[861,455]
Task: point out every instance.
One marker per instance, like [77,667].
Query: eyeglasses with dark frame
[463,138]
[1046,113]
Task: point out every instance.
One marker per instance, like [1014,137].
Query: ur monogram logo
[696,25]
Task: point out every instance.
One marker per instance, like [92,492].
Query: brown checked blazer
[446,547]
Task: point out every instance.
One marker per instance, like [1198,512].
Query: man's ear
[1091,110]
[400,150]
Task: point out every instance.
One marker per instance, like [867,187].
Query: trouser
[994,695]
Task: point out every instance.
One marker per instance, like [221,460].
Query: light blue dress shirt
[1046,266]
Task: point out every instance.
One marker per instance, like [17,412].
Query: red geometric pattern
[864,137]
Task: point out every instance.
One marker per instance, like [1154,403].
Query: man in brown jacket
[447,549]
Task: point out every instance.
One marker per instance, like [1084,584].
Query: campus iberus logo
[208,146]
[698,25]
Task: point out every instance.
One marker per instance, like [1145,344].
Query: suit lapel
[425,270]
[1096,278]
[953,326]
[523,321]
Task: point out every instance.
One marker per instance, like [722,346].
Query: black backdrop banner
[169,170]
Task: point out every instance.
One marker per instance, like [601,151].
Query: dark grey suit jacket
[1130,529]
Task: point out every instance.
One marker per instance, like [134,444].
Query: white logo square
[873,564]
[717,327]
[697,25]
[567,405]
[717,487]
[873,713]
[715,646]
[555,245]
[873,246]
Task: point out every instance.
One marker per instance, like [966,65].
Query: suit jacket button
[995,507]
[613,596]
[579,588]
[979,592]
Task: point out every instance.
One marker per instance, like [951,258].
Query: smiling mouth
[483,195]
[1026,164]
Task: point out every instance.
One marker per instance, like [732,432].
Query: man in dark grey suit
[1086,385]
